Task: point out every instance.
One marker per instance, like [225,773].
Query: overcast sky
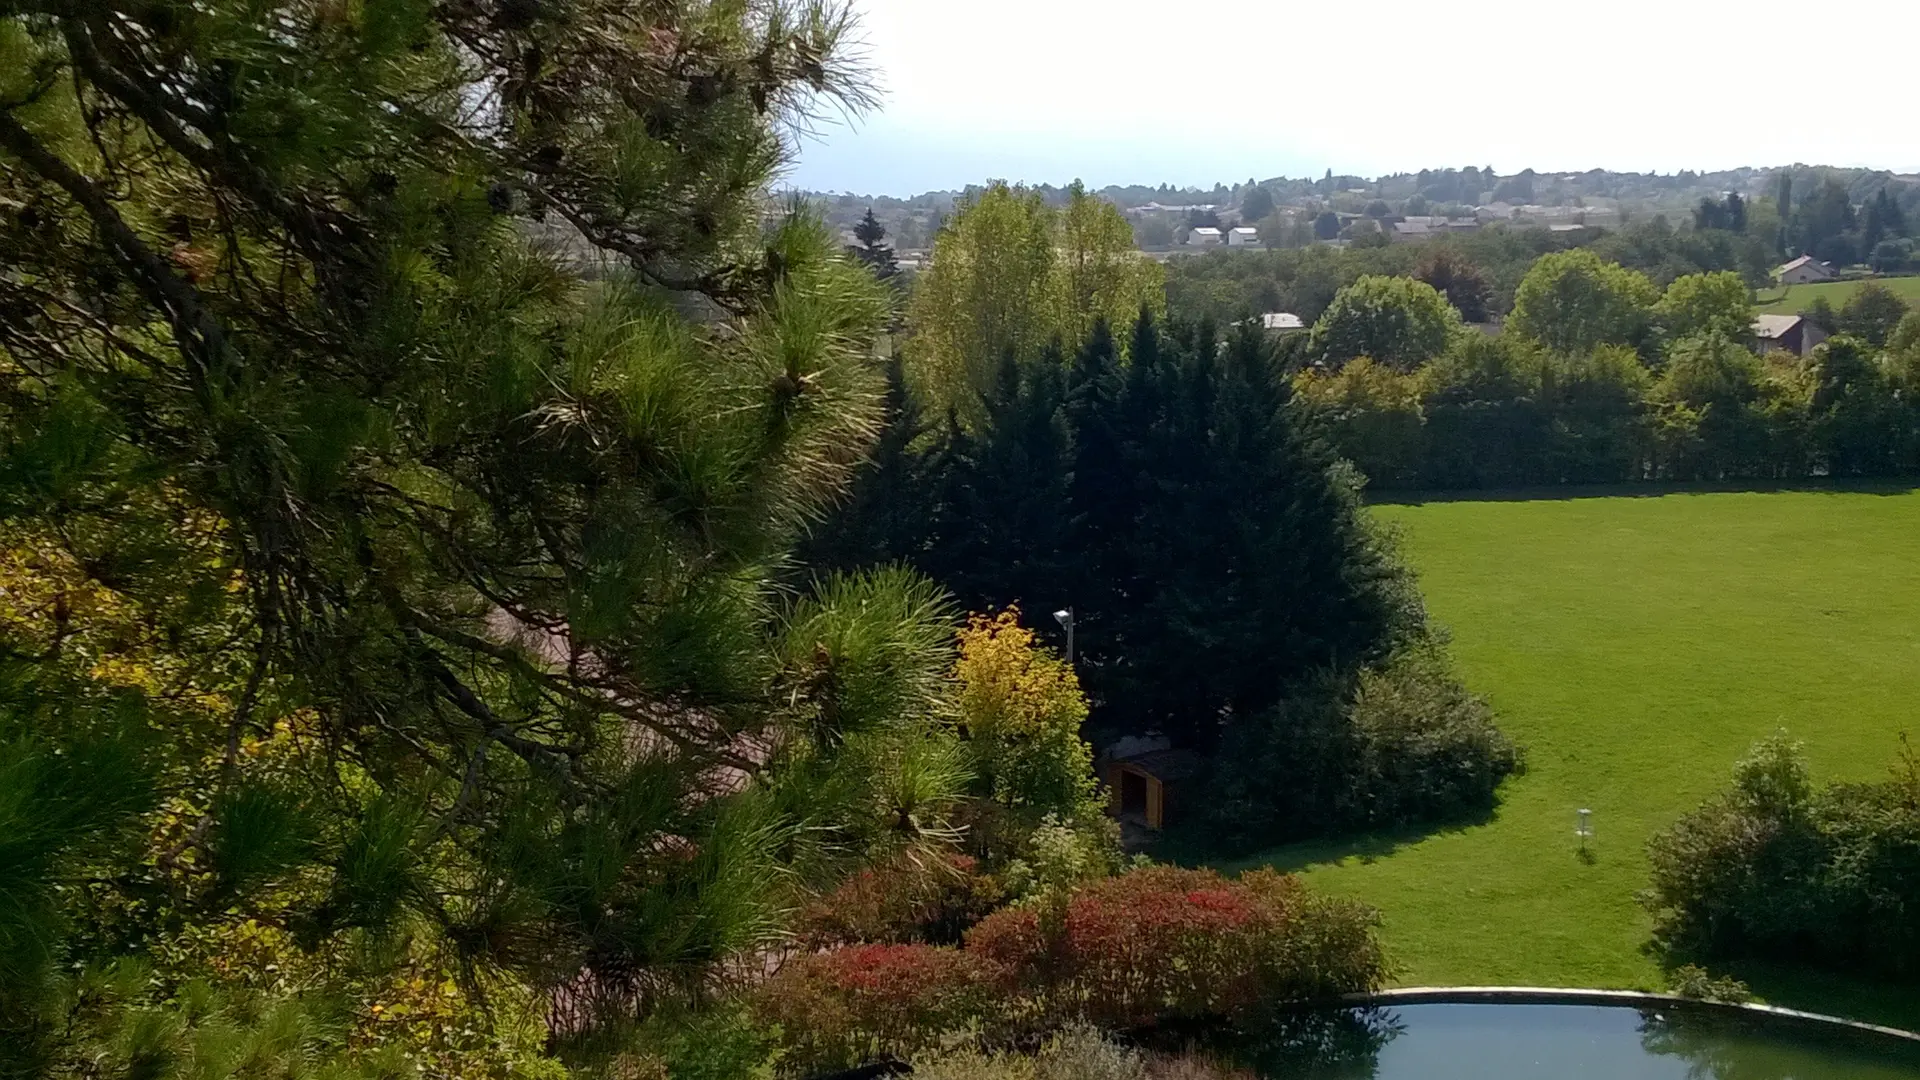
[1198,91]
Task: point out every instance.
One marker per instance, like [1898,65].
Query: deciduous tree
[1011,274]
[1460,281]
[1573,301]
[1400,322]
[1872,313]
[1716,303]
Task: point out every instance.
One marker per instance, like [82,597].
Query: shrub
[912,899]
[1135,951]
[1384,747]
[1773,869]
[1429,750]
[1075,1053]
[843,1007]
[1698,984]
[1057,858]
[1162,943]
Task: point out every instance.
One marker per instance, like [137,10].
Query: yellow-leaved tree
[1039,809]
[1022,708]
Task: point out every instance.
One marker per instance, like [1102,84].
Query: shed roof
[1774,327]
[1164,765]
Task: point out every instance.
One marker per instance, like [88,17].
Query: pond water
[1567,1042]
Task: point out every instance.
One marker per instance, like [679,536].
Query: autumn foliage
[1163,943]
[1022,708]
[868,1002]
[909,900]
[1142,949]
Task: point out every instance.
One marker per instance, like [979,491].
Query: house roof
[1282,320]
[1803,260]
[1411,228]
[1206,230]
[1246,229]
[1774,327]
[1166,765]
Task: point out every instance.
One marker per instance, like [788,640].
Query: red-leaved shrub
[930,900]
[862,1003]
[1163,943]
[1126,952]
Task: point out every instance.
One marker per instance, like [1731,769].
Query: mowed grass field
[1795,298]
[1637,645]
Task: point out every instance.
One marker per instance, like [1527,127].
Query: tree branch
[195,328]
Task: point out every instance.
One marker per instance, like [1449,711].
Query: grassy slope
[1637,646]
[1794,298]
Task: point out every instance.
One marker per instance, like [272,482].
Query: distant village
[1403,208]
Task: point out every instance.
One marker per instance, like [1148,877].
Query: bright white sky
[1198,91]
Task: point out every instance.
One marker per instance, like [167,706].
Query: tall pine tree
[407,420]
[1213,552]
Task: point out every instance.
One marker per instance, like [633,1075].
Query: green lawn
[1795,298]
[1637,645]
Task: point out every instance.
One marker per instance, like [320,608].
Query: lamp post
[1065,618]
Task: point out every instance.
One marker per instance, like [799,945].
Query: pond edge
[1558,995]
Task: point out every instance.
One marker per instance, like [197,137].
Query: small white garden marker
[1584,830]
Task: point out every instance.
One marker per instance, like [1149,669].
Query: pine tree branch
[590,695]
[203,341]
[209,152]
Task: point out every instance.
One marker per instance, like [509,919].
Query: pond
[1567,1042]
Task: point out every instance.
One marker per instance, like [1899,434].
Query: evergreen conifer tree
[873,248]
[407,421]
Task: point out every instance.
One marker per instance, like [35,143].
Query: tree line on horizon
[1601,377]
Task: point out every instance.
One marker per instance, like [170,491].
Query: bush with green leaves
[1382,747]
[1775,869]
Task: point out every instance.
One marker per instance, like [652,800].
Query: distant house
[1407,232]
[1243,236]
[1281,321]
[1204,236]
[1416,227]
[1163,208]
[1791,334]
[1805,270]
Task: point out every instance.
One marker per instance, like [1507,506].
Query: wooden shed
[1144,788]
